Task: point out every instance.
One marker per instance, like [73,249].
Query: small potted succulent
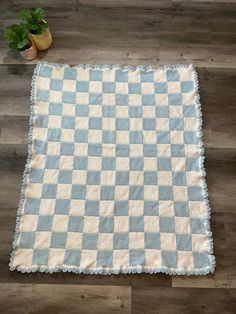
[38,28]
[18,39]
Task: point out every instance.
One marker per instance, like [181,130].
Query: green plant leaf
[17,36]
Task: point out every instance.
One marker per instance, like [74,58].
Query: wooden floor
[133,32]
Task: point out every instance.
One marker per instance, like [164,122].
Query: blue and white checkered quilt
[114,181]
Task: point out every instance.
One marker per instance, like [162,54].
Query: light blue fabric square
[109,111]
[105,258]
[176,124]
[78,191]
[149,124]
[82,110]
[190,137]
[62,206]
[93,177]
[121,76]
[167,224]
[45,71]
[108,136]
[183,242]
[92,208]
[121,241]
[186,86]
[95,99]
[56,84]
[121,100]
[95,150]
[195,193]
[149,150]
[90,241]
[65,177]
[172,75]
[146,76]
[32,206]
[49,191]
[122,150]
[54,135]
[169,259]
[151,208]
[108,87]
[42,95]
[181,209]
[136,137]
[40,147]
[68,97]
[177,150]
[163,137]
[201,259]
[179,178]
[41,121]
[67,149]
[82,86]
[107,192]
[164,164]
[75,224]
[95,123]
[58,240]
[175,99]
[80,163]
[197,226]
[27,240]
[136,257]
[135,111]
[136,163]
[68,122]
[55,109]
[106,224]
[136,224]
[81,136]
[52,162]
[152,240]
[134,88]
[192,164]
[162,111]
[70,73]
[136,192]
[148,100]
[121,208]
[161,88]
[40,257]
[122,124]
[150,178]
[165,192]
[72,257]
[95,75]
[108,163]
[122,177]
[36,175]
[189,111]
[45,222]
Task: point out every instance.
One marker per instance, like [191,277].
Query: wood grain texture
[54,299]
[127,32]
[183,301]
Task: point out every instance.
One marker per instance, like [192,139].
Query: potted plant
[18,39]
[38,27]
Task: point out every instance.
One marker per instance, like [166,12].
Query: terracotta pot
[30,53]
[42,41]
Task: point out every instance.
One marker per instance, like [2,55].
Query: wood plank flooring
[127,32]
